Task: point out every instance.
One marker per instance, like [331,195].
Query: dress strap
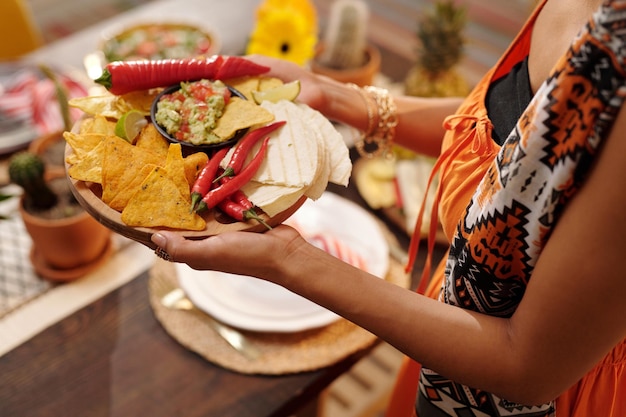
[475,134]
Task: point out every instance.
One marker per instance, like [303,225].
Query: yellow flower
[285,29]
[302,7]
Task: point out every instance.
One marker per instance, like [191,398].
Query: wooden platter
[88,195]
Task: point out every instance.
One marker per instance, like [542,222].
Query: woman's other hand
[311,92]
[244,253]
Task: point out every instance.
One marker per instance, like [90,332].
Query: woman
[531,174]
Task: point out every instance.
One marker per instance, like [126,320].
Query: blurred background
[491,23]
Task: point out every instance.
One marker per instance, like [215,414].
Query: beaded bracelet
[377,140]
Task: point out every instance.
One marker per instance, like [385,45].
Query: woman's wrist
[382,119]
[370,109]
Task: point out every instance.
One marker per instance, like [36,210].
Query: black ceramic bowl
[188,145]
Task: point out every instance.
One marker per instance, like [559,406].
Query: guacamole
[191,113]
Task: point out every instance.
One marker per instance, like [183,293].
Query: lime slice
[130,124]
[288,91]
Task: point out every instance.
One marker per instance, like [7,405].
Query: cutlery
[175,299]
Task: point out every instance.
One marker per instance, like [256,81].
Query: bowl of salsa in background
[159,40]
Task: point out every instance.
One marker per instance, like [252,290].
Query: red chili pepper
[244,146]
[216,195]
[239,67]
[122,77]
[204,180]
[240,213]
[241,198]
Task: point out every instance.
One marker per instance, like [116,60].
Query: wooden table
[113,358]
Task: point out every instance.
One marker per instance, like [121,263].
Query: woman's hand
[311,92]
[245,253]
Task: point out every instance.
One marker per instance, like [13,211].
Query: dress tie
[473,132]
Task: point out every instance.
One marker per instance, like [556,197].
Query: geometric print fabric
[519,199]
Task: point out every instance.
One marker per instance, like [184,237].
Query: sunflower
[288,31]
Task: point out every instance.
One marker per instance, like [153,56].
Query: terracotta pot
[50,147]
[360,76]
[65,249]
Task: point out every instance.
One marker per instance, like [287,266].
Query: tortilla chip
[140,100]
[104,105]
[150,138]
[240,114]
[110,105]
[267,83]
[83,143]
[175,168]
[120,201]
[245,85]
[97,124]
[121,163]
[158,203]
[193,165]
[88,165]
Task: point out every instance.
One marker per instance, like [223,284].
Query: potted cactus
[67,241]
[345,54]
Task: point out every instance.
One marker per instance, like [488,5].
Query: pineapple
[440,50]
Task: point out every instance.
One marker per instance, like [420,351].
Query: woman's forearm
[419,119]
[468,347]
[418,326]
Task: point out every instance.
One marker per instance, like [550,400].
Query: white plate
[253,304]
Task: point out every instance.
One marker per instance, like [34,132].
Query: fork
[174,298]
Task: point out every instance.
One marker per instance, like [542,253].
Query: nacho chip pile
[147,182]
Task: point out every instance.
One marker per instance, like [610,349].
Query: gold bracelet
[378,139]
[369,106]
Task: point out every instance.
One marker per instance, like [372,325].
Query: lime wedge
[288,91]
[130,124]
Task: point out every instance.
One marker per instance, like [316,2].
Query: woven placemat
[281,353]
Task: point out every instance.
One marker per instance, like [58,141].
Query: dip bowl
[188,145]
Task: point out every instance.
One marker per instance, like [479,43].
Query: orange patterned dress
[498,205]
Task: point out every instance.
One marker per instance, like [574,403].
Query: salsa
[191,113]
[158,41]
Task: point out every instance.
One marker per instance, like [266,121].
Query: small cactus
[27,170]
[346,37]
